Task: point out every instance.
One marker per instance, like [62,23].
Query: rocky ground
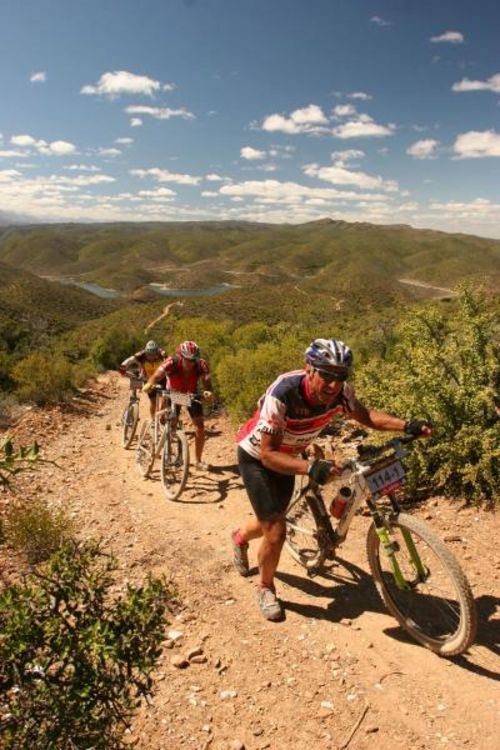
[337,663]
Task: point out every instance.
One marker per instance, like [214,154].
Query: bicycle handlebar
[374,451]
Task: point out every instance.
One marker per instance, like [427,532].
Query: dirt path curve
[440,291]
[164,314]
[301,683]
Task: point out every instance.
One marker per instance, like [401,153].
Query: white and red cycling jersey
[181,380]
[286,410]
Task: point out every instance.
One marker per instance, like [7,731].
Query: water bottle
[339,502]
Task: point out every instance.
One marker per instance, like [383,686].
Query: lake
[167,291]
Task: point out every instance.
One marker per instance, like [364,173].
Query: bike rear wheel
[145,451]
[129,423]
[303,535]
[437,608]
[174,464]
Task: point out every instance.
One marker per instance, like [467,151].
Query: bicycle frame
[353,475]
[172,413]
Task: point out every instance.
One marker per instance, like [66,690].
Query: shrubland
[446,369]
[77,649]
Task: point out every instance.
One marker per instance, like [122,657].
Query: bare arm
[273,459]
[377,420]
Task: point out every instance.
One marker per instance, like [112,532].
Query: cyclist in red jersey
[183,371]
[292,412]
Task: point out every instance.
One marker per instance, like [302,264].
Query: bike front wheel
[145,451]
[303,535]
[174,464]
[432,600]
[129,423]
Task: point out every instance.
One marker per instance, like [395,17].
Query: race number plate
[183,399]
[386,478]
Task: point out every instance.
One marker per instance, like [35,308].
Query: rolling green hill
[33,311]
[346,259]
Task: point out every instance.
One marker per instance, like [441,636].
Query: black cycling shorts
[195,410]
[152,392]
[269,491]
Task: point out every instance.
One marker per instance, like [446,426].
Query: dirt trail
[296,684]
[164,314]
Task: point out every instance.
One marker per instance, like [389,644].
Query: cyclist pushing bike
[145,362]
[184,370]
[296,407]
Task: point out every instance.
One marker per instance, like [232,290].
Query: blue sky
[267,110]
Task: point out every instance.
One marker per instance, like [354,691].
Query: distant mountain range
[327,255]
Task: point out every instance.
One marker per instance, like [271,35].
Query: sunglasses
[330,376]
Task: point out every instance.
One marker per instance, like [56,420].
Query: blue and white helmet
[327,353]
[152,347]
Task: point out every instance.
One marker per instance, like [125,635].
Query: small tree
[75,660]
[47,378]
[445,369]
[114,346]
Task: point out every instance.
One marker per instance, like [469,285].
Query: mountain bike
[164,437]
[130,416]
[418,578]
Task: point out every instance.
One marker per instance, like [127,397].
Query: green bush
[243,377]
[13,461]
[35,530]
[445,369]
[114,346]
[74,659]
[47,378]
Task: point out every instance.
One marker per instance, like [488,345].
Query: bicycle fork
[391,549]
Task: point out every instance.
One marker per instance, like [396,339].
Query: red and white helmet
[189,350]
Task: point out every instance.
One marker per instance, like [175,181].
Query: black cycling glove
[319,471]
[414,426]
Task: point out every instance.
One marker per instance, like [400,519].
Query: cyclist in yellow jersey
[147,362]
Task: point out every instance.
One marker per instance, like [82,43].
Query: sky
[282,111]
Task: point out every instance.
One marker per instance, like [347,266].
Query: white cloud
[209,194]
[112,152]
[281,152]
[274,191]
[163,175]
[344,110]
[379,21]
[361,95]
[340,157]
[12,154]
[135,122]
[477,144]
[56,148]
[491,84]
[425,149]
[214,177]
[158,194]
[82,168]
[124,141]
[305,120]
[247,152]
[6,175]
[363,126]
[24,140]
[39,77]
[452,37]
[339,175]
[122,83]
[159,113]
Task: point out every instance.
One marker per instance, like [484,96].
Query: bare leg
[274,533]
[199,437]
[152,407]
[251,529]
